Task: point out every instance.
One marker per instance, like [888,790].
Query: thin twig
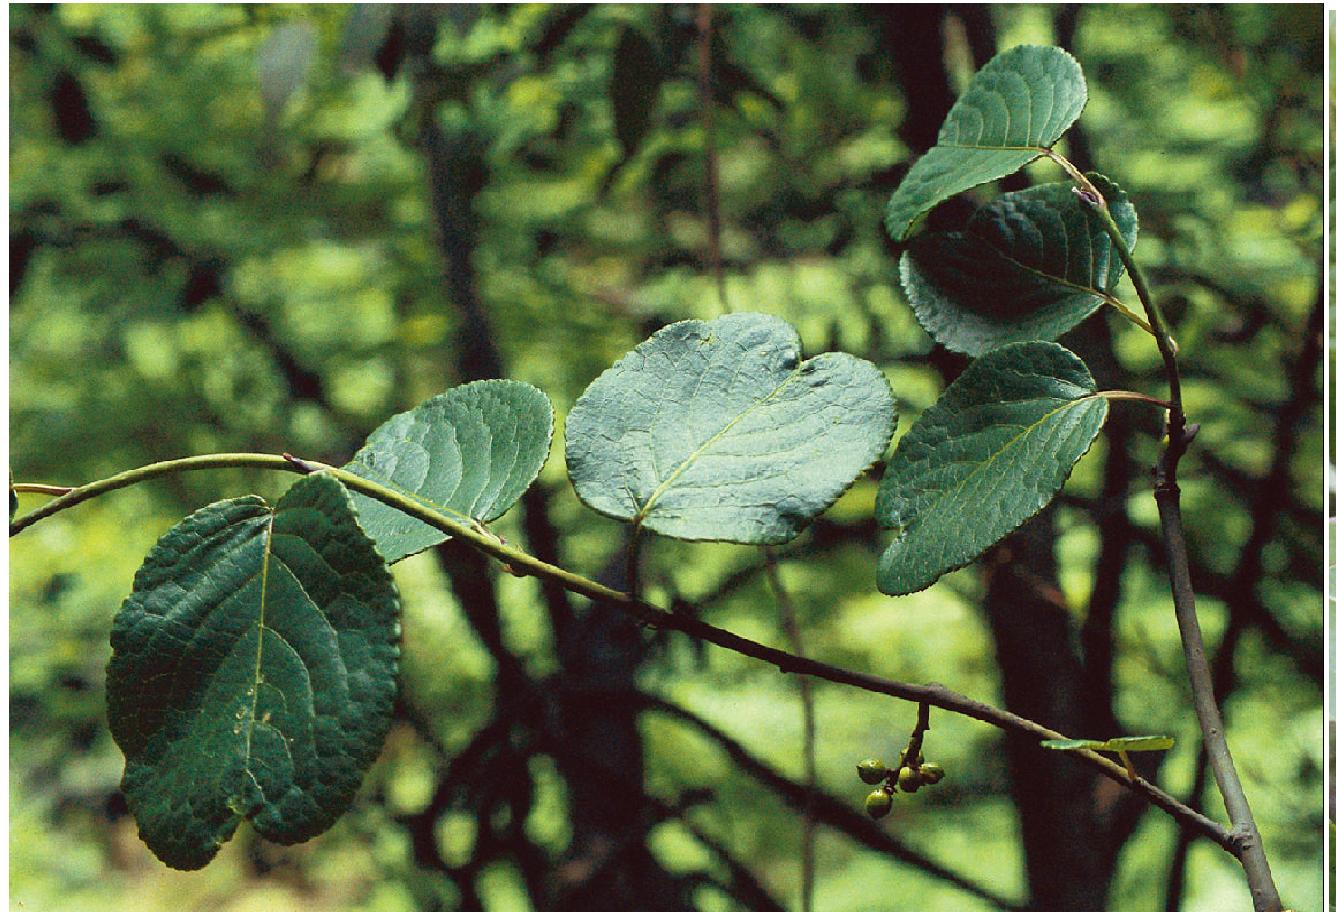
[1261,884]
[830,811]
[705,28]
[653,616]
[913,752]
[794,634]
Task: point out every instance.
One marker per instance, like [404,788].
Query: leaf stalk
[1179,434]
[1233,841]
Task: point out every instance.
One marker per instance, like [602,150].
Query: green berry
[877,804]
[910,780]
[872,771]
[932,773]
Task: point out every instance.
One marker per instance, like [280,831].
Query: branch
[829,810]
[791,630]
[653,616]
[743,885]
[705,26]
[1266,504]
[1251,854]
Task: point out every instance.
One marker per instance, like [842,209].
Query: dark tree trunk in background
[578,716]
[1042,679]
[1071,825]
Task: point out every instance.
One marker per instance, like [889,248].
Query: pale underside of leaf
[469,453]
[1134,743]
[987,456]
[720,431]
[1028,266]
[253,672]
[1014,110]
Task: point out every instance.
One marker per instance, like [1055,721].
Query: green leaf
[253,672]
[1136,743]
[988,455]
[468,453]
[1015,109]
[1029,265]
[719,431]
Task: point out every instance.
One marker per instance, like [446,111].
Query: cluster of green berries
[910,778]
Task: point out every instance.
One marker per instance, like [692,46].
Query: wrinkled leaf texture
[253,672]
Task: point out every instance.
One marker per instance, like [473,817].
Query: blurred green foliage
[222,238]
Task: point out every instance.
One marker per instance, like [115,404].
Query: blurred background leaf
[446,194]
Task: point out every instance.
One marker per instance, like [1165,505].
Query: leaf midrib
[259,636]
[994,456]
[643,513]
[1039,273]
[1037,150]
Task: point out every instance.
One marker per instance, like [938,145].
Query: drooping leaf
[720,431]
[1016,107]
[636,78]
[1029,266]
[988,455]
[1136,743]
[253,672]
[469,453]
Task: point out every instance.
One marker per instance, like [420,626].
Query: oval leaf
[1136,743]
[1015,109]
[1029,266]
[253,672]
[468,453]
[720,431]
[992,451]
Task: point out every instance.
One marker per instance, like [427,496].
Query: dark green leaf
[990,453]
[636,77]
[253,672]
[720,431]
[1029,265]
[1015,108]
[469,453]
[1137,743]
